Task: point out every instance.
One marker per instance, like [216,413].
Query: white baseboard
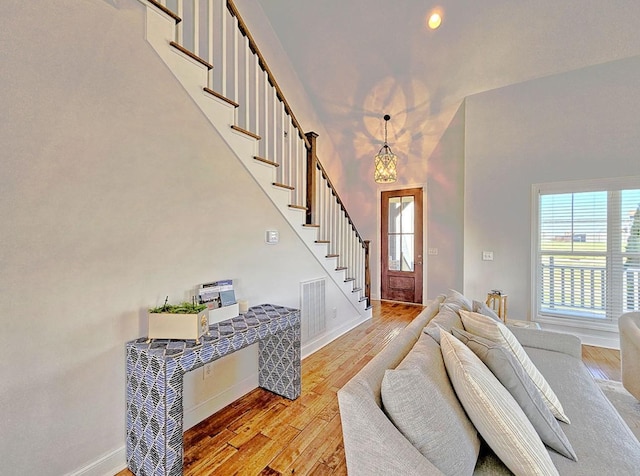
[107,465]
[116,461]
[318,343]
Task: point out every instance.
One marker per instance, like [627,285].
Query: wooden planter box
[165,325]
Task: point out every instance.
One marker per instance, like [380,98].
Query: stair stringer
[193,76]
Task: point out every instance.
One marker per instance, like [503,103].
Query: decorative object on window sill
[385,160]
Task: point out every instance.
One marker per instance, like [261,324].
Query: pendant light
[385,160]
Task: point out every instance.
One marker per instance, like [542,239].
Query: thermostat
[272,237]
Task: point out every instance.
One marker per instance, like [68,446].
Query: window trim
[575,186]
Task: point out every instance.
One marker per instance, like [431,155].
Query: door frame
[376,271]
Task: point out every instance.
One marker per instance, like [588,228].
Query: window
[587,250]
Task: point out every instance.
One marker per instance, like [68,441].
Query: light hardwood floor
[264,434]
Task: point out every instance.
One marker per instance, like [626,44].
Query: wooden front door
[401,245]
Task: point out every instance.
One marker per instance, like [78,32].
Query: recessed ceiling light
[434,20]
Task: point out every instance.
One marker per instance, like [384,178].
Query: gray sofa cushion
[482,308]
[548,340]
[447,318]
[514,378]
[458,300]
[602,441]
[372,444]
[420,401]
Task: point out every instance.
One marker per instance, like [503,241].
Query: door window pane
[401,233]
[407,215]
[395,213]
[394,253]
[407,253]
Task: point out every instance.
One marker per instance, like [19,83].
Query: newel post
[367,273]
[312,168]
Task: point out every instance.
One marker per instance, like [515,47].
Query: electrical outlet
[207,371]
[432,251]
[487,255]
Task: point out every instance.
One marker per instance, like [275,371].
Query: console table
[155,373]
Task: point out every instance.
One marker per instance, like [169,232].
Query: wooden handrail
[165,10]
[325,175]
[263,64]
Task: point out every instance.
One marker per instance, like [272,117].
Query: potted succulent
[186,320]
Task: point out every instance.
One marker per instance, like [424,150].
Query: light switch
[487,256]
[272,237]
[432,251]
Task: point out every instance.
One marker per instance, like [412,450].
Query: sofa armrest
[372,444]
[548,340]
[629,326]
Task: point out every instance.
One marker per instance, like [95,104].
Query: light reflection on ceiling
[360,59]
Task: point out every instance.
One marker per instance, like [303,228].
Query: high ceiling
[356,60]
[360,59]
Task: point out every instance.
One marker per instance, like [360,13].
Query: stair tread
[265,161]
[348,280]
[191,55]
[311,225]
[164,9]
[323,241]
[341,268]
[220,96]
[246,132]
[283,185]
[332,256]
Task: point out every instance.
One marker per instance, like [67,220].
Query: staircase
[242,100]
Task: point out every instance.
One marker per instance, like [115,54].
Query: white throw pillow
[447,318]
[495,331]
[509,371]
[494,412]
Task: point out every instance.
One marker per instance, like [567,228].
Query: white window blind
[587,256]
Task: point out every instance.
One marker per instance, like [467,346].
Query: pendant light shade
[385,160]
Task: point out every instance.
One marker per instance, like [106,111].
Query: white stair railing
[214,31]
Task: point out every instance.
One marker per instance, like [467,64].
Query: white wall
[114,192]
[579,125]
[445,210]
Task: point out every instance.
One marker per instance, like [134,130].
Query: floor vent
[313,308]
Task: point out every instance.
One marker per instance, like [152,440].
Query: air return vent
[312,308]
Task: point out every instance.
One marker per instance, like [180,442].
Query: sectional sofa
[413,409]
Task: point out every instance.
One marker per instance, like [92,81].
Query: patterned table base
[155,374]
